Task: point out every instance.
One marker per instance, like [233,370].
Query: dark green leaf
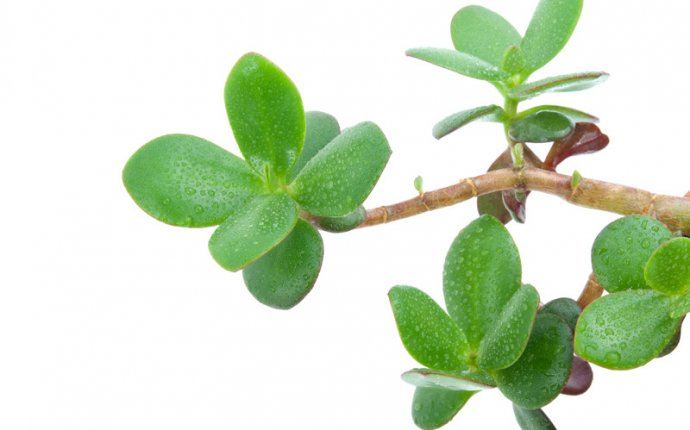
[621,250]
[428,333]
[507,338]
[460,119]
[514,60]
[481,273]
[459,62]
[187,181]
[565,308]
[286,274]
[340,177]
[435,407]
[668,269]
[482,33]
[253,230]
[457,381]
[543,126]
[532,419]
[266,114]
[561,83]
[626,329]
[543,369]
[343,223]
[572,114]
[322,128]
[549,30]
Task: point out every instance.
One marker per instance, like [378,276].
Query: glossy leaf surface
[680,305]
[673,343]
[457,381]
[435,407]
[668,269]
[565,308]
[253,230]
[539,127]
[549,30]
[339,178]
[626,329]
[321,129]
[573,115]
[266,114]
[187,181]
[561,83]
[428,333]
[482,271]
[459,62]
[542,370]
[580,379]
[622,248]
[514,60]
[460,119]
[532,419]
[286,274]
[343,223]
[482,33]
[585,139]
[506,340]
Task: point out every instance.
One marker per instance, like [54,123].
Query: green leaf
[482,33]
[514,60]
[506,340]
[573,115]
[343,223]
[562,83]
[621,250]
[428,333]
[668,269]
[549,30]
[457,381]
[565,308]
[532,419]
[482,272]
[266,114]
[435,407]
[680,305]
[673,343]
[187,181]
[286,274]
[543,369]
[460,119]
[321,129]
[253,230]
[459,62]
[340,177]
[625,330]
[543,126]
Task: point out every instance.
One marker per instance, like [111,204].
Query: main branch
[670,210]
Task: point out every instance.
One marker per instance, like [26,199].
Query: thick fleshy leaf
[532,419]
[457,381]
[680,305]
[573,115]
[549,30]
[428,333]
[342,223]
[482,33]
[562,83]
[321,129]
[580,379]
[626,329]
[673,343]
[187,181]
[565,308]
[286,274]
[459,62]
[507,338]
[514,60]
[253,230]
[539,127]
[266,115]
[339,178]
[460,119]
[482,271]
[668,269]
[585,139]
[543,369]
[435,407]
[622,248]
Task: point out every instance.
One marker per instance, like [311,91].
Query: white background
[112,320]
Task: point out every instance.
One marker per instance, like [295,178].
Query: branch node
[421,198]
[650,209]
[473,187]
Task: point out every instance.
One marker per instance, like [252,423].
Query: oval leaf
[573,115]
[481,273]
[562,83]
[506,340]
[460,119]
[585,139]
[581,377]
[482,33]
[514,60]
[549,30]
[459,62]
[543,369]
[285,275]
[457,381]
[621,250]
[343,223]
[435,407]
[539,127]
[266,114]
[340,177]
[253,230]
[668,269]
[321,129]
[565,308]
[428,333]
[625,330]
[187,181]
[532,419]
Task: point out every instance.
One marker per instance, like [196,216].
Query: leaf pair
[292,162]
[647,273]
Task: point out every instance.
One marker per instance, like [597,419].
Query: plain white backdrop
[112,320]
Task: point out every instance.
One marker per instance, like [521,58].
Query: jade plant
[301,173]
